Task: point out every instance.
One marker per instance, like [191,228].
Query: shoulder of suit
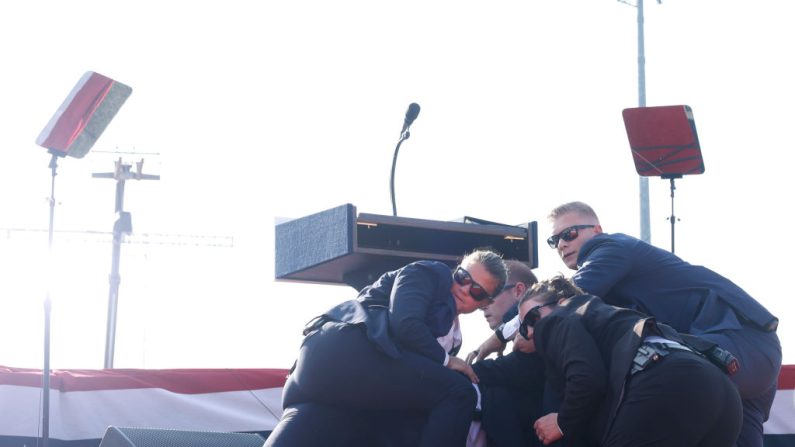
[433,266]
[576,304]
[438,272]
[604,239]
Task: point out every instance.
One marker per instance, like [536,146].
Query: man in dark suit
[511,386]
[390,351]
[628,272]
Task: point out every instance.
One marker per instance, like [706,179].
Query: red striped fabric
[86,402]
[183,381]
[786,378]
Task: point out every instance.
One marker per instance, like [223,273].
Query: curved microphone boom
[411,115]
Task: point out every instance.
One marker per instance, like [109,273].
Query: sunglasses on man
[463,278]
[531,318]
[568,235]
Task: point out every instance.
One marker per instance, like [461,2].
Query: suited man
[628,272]
[390,351]
[511,386]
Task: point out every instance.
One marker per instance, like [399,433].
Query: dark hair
[519,271]
[551,290]
[493,264]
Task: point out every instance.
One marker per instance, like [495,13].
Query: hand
[490,346]
[522,344]
[470,358]
[547,429]
[456,364]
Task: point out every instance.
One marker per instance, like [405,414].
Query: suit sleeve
[603,263]
[516,369]
[572,352]
[413,293]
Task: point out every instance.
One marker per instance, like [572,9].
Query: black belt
[651,352]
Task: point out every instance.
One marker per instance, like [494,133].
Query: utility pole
[645,226]
[643,182]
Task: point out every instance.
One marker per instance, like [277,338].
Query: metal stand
[122,226]
[45,411]
[664,142]
[673,219]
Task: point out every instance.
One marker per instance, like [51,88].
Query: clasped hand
[490,346]
[456,364]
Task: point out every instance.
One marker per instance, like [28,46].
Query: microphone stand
[403,137]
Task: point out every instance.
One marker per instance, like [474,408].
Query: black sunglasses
[463,278]
[569,234]
[531,318]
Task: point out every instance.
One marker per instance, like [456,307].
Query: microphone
[411,115]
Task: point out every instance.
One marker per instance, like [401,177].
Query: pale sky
[253,111]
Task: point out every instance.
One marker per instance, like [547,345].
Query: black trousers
[759,354]
[512,390]
[345,392]
[682,400]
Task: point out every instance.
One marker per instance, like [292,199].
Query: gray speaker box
[156,437]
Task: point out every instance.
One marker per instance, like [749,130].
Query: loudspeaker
[155,437]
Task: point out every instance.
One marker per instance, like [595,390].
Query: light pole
[645,231]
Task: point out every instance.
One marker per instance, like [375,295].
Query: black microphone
[411,115]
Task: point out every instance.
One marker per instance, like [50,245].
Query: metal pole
[115,278]
[45,412]
[673,216]
[123,225]
[645,231]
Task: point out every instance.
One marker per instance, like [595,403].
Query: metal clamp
[646,356]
